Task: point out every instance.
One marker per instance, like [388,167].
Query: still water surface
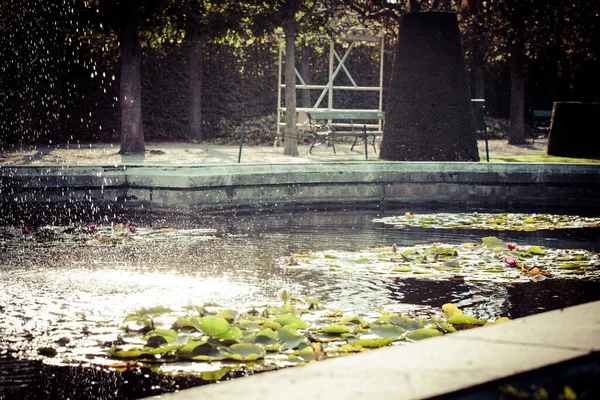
[53,287]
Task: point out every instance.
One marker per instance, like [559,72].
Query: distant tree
[199,21]
[126,18]
[520,31]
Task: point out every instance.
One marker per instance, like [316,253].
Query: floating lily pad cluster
[491,221]
[490,260]
[269,337]
[92,234]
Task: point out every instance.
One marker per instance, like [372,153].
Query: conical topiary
[428,114]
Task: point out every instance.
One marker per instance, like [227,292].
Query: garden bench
[541,118]
[541,122]
[327,132]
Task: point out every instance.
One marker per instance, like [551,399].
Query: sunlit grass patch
[541,158]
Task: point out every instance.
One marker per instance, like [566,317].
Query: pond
[65,291]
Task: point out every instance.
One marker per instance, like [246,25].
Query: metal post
[331,76]
[365,140]
[279,88]
[381,79]
[241,141]
[479,113]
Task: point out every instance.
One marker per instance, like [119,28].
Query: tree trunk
[478,50]
[132,133]
[415,5]
[478,71]
[305,72]
[290,142]
[195,90]
[516,134]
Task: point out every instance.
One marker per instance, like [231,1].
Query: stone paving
[188,153]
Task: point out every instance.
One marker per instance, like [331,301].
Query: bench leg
[314,141]
[354,144]
[374,143]
[332,141]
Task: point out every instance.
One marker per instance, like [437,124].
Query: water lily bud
[395,248]
[511,246]
[132,228]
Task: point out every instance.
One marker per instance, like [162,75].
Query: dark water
[51,290]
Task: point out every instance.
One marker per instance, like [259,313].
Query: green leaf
[199,351]
[402,269]
[153,310]
[291,321]
[267,338]
[465,320]
[212,326]
[244,352]
[131,353]
[373,343]
[571,266]
[290,337]
[405,322]
[228,315]
[536,250]
[167,334]
[216,375]
[388,331]
[492,241]
[423,333]
[450,310]
[336,329]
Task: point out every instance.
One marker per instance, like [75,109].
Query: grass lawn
[542,158]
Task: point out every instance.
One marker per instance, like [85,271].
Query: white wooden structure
[345,43]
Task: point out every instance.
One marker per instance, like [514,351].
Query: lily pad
[213,326]
[290,338]
[423,333]
[450,310]
[388,331]
[462,319]
[373,343]
[244,352]
[337,329]
[292,321]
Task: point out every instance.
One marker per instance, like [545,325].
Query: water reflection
[51,288]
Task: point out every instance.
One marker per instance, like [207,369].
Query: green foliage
[492,260]
[492,221]
[269,344]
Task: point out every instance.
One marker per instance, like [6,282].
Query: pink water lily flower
[511,246]
[510,261]
[132,228]
[92,228]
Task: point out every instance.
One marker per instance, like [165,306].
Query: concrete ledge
[432,367]
[282,186]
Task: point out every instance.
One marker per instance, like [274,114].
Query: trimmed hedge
[429,116]
[574,130]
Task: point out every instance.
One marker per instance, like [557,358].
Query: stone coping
[211,187]
[432,367]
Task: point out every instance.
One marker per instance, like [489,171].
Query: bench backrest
[542,113]
[345,114]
